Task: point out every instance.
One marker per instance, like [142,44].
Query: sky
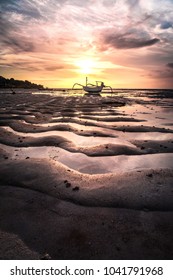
[56,43]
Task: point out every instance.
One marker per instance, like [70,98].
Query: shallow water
[93,165]
[95,173]
[97,133]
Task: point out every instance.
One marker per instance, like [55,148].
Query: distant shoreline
[76,89]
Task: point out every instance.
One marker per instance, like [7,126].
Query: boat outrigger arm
[90,88]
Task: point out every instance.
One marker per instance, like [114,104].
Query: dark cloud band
[11,39]
[170,65]
[123,42]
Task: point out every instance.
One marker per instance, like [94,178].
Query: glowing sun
[85,66]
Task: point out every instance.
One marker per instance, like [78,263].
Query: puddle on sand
[92,165]
[156,112]
[113,164]
[75,138]
[152,115]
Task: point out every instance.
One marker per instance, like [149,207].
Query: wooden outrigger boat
[93,89]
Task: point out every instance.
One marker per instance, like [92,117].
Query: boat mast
[86,81]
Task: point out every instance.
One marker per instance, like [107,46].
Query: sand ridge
[135,190]
[87,210]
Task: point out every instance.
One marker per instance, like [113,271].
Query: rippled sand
[86,177]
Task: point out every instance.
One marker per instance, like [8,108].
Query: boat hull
[93,90]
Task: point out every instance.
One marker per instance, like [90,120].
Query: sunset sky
[125,43]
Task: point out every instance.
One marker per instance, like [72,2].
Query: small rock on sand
[75,188]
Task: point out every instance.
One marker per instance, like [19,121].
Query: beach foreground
[85,178]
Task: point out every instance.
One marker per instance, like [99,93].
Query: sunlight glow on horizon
[125,43]
[86,66]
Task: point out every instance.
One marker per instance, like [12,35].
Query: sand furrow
[135,190]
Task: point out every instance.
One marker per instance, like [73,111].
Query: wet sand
[85,177]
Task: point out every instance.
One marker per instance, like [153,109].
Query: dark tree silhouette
[12,83]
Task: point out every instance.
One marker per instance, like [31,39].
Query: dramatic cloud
[170,65]
[166,25]
[28,9]
[128,42]
[11,39]
[133,3]
[53,68]
[163,75]
[71,38]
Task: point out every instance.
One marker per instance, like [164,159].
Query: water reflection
[143,116]
[93,165]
